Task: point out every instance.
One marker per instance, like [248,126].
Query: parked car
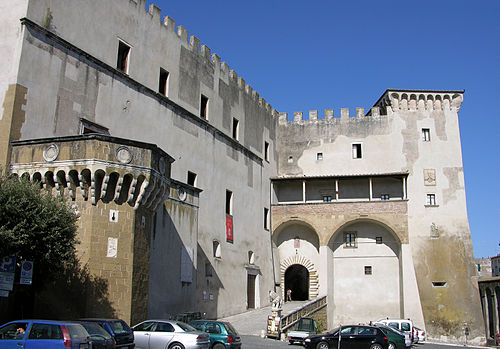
[169,334]
[44,334]
[305,328]
[406,335]
[404,325]
[222,334]
[100,338]
[420,334]
[397,339]
[118,329]
[350,337]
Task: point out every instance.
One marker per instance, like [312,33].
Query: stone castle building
[195,195]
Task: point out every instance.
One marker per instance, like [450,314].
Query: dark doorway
[297,280]
[251,291]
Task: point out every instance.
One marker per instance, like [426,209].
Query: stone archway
[296,262]
[297,281]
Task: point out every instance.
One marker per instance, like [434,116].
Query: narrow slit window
[266,218]
[426,135]
[356,151]
[229,202]
[266,151]
[163,86]
[191,178]
[122,61]
[236,129]
[204,107]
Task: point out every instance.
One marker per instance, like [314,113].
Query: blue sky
[328,54]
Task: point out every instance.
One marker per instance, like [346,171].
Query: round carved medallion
[181,194]
[123,155]
[51,152]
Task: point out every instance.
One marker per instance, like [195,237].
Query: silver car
[168,334]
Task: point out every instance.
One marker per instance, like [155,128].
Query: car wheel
[391,346]
[218,346]
[180,346]
[376,346]
[323,345]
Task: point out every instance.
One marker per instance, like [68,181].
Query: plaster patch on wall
[410,137]
[453,174]
[440,124]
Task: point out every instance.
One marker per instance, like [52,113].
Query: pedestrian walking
[288,295]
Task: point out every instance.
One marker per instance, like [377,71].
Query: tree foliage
[36,226]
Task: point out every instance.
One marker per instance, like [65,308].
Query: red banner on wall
[229,228]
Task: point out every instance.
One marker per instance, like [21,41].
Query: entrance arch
[299,267]
[297,281]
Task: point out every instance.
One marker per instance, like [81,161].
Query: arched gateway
[300,276]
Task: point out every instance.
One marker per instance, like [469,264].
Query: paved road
[256,342]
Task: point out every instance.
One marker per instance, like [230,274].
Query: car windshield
[77,331]
[95,330]
[230,328]
[185,327]
[119,327]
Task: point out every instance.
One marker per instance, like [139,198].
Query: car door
[347,337]
[142,334]
[161,336]
[365,336]
[44,336]
[11,337]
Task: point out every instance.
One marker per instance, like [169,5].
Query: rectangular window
[319,156]
[327,198]
[438,284]
[163,87]
[431,200]
[229,202]
[356,151]
[426,135]
[350,240]
[191,178]
[384,197]
[236,128]
[204,107]
[266,151]
[122,61]
[378,240]
[266,218]
[368,270]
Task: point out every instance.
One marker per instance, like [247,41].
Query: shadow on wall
[209,283]
[74,293]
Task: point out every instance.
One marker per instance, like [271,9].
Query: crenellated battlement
[193,43]
[330,116]
[390,102]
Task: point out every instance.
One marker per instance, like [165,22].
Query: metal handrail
[307,309]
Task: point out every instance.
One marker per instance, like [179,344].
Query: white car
[420,334]
[161,334]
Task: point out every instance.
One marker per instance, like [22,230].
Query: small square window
[163,85]
[384,197]
[191,178]
[430,200]
[122,61]
[426,135]
[378,240]
[319,156]
[327,198]
[350,240]
[236,128]
[204,107]
[368,270]
[356,151]
[266,151]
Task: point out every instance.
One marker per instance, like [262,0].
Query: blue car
[43,334]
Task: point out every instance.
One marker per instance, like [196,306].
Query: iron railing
[306,310]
